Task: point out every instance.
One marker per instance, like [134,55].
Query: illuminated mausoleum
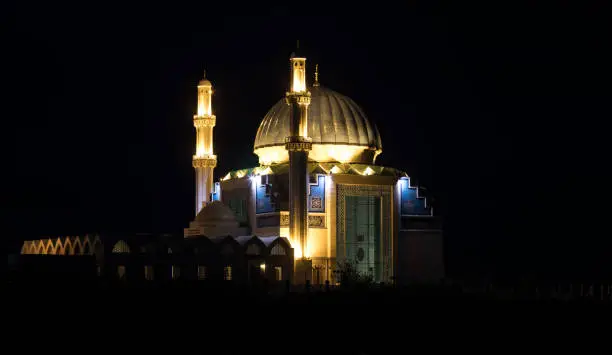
[316,202]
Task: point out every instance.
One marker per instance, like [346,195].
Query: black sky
[497,110]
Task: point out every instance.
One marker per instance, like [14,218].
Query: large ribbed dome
[333,119]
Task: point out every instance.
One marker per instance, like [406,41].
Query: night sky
[498,111]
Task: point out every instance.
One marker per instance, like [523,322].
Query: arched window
[253,249]
[278,249]
[121,247]
[86,248]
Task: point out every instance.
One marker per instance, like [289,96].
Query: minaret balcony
[300,97]
[298,143]
[209,161]
[204,121]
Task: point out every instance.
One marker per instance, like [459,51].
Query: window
[239,207]
[278,273]
[201,272]
[227,273]
[253,249]
[176,272]
[121,271]
[278,250]
[121,247]
[148,271]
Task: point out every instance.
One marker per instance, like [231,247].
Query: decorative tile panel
[316,195]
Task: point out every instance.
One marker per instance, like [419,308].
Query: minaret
[204,161]
[298,144]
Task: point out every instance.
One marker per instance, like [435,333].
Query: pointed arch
[227,249]
[279,247]
[68,249]
[77,246]
[49,250]
[253,249]
[25,248]
[255,246]
[93,241]
[121,247]
[229,246]
[87,249]
[59,246]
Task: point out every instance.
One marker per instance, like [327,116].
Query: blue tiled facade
[412,204]
[216,194]
[316,195]
[263,195]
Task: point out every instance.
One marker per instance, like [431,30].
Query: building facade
[317,201]
[163,258]
[318,186]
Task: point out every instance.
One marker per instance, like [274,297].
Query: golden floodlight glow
[297,250]
[226,177]
[262,266]
[335,170]
[298,67]
[368,171]
[204,100]
[322,153]
[240,174]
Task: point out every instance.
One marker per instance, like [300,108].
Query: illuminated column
[204,161]
[298,144]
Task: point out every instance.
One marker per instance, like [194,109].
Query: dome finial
[204,76]
[316,81]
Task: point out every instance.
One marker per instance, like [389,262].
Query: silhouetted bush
[349,277]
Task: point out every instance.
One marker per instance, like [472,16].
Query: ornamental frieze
[314,221]
[298,146]
[204,162]
[202,121]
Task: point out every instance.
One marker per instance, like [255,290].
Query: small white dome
[214,212]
